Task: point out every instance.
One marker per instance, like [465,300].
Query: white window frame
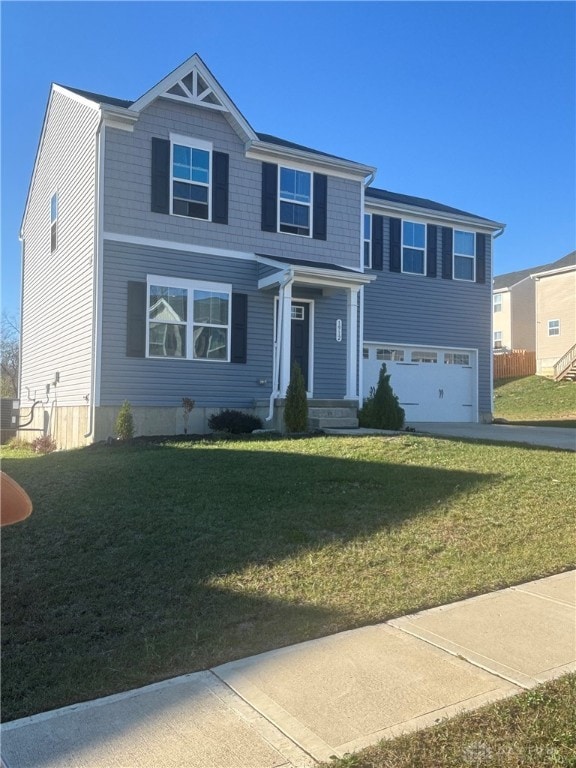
[457,358]
[412,248]
[295,202]
[497,341]
[424,356]
[554,327]
[391,354]
[190,286]
[192,143]
[367,241]
[497,302]
[54,222]
[456,255]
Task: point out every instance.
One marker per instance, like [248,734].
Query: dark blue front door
[300,346]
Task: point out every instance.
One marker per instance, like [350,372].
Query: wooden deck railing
[565,362]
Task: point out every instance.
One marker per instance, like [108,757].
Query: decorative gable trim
[192,83]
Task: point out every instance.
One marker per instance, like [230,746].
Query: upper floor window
[53,222]
[368,240]
[191,178]
[497,339]
[464,255]
[553,327]
[413,247]
[295,201]
[188,319]
[497,302]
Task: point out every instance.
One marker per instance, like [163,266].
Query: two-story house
[171,251]
[535,310]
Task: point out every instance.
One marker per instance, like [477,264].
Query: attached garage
[432,383]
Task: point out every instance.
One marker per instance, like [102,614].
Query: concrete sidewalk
[301,704]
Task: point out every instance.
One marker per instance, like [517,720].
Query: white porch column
[352,344]
[286,337]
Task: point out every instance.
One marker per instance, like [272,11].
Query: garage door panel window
[424,356]
[456,358]
[388,353]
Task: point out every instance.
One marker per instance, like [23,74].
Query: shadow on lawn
[108,587]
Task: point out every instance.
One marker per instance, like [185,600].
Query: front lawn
[142,562]
[536,400]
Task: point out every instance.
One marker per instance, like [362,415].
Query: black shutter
[447,237]
[320,205]
[377,241]
[431,249]
[160,201]
[480,257]
[220,164]
[239,330]
[136,320]
[269,197]
[395,245]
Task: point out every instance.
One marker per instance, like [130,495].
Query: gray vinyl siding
[128,190]
[57,287]
[414,309]
[147,381]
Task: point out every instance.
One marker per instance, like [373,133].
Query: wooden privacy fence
[517,362]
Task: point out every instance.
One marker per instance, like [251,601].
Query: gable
[192,83]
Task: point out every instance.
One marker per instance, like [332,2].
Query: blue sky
[467,103]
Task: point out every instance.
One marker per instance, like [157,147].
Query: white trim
[191,141]
[427,215]
[99,276]
[246,131]
[351,343]
[204,146]
[172,245]
[556,327]
[550,272]
[307,161]
[95,105]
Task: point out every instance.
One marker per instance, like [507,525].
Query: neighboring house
[526,301]
[556,318]
[170,251]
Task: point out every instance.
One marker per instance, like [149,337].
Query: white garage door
[432,383]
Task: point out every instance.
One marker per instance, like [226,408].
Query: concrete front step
[333,423]
[332,413]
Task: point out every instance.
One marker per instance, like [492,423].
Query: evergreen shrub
[381,409]
[296,409]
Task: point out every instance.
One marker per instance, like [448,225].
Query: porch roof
[311,273]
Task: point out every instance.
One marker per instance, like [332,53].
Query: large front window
[295,201]
[464,255]
[188,319]
[191,178]
[413,247]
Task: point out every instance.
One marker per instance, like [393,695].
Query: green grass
[532,730]
[536,400]
[143,562]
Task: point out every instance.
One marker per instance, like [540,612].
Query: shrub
[44,444]
[235,422]
[296,410]
[125,422]
[18,444]
[381,409]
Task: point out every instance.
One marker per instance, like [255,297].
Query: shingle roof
[512,278]
[292,145]
[100,98]
[419,202]
[304,263]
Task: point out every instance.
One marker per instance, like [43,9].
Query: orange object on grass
[15,504]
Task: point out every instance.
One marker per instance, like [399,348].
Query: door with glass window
[300,345]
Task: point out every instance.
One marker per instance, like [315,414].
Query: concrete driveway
[552,437]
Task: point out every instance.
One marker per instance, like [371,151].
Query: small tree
[296,410]
[9,356]
[125,422]
[381,409]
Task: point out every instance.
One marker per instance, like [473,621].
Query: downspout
[494,236]
[100,133]
[288,278]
